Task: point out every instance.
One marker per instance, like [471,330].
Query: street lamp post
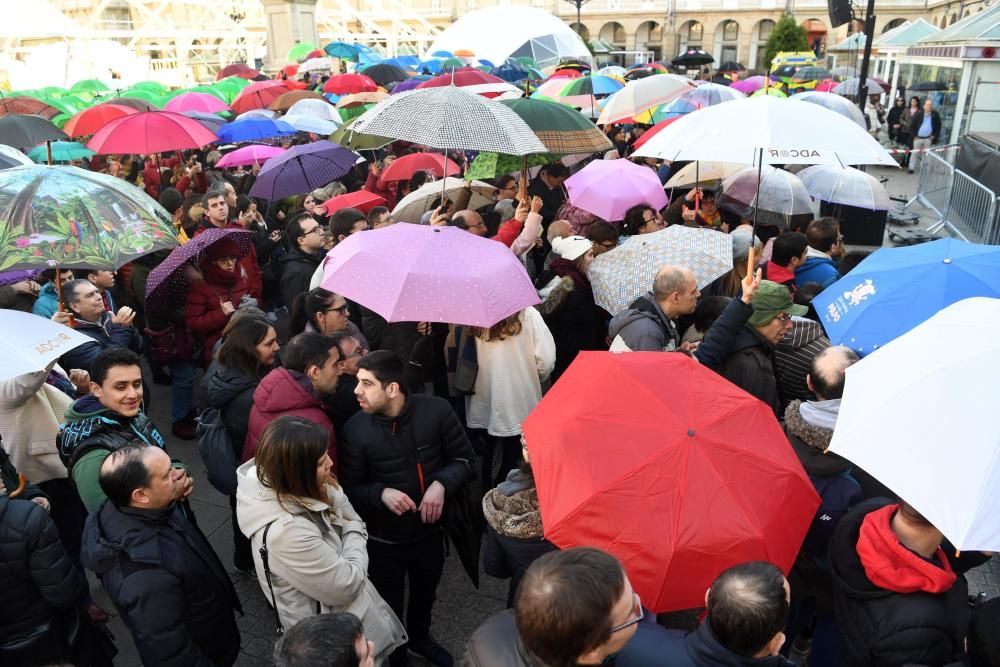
[578,4]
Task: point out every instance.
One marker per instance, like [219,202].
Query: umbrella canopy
[383,74]
[491,165]
[62,151]
[774,130]
[317,108]
[29,343]
[731,66]
[11,157]
[209,121]
[812,74]
[347,137]
[850,87]
[265,114]
[473,79]
[73,218]
[150,132]
[709,94]
[28,106]
[895,418]
[322,64]
[843,72]
[452,118]
[91,120]
[346,84]
[405,167]
[845,185]
[410,84]
[300,51]
[359,99]
[341,50]
[132,102]
[252,129]
[841,105]
[626,272]
[362,200]
[749,85]
[608,188]
[167,283]
[693,58]
[895,289]
[91,86]
[592,85]
[411,207]
[23,131]
[202,102]
[702,172]
[707,463]
[560,128]
[302,169]
[644,94]
[774,199]
[252,154]
[311,124]
[429,274]
[286,101]
[511,73]
[259,95]
[237,69]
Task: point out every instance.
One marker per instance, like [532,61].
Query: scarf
[892,566]
[821,414]
[564,267]
[216,276]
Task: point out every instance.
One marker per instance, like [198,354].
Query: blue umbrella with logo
[895,289]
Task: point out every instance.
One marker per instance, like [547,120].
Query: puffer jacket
[230,391]
[38,580]
[47,302]
[425,443]
[105,334]
[283,392]
[297,268]
[203,310]
[644,327]
[167,583]
[317,555]
[818,268]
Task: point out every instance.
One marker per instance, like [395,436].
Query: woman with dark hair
[294,511]
[224,288]
[642,219]
[324,312]
[247,354]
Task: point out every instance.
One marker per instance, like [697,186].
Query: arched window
[730,31]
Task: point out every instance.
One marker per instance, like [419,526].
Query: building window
[695,31]
[730,31]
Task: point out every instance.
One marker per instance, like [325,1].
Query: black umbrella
[812,74]
[384,74]
[637,74]
[929,85]
[731,66]
[693,58]
[722,80]
[463,525]
[22,131]
[132,102]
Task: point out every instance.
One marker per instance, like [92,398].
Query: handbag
[170,344]
[217,451]
[466,363]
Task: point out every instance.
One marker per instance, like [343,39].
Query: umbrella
[345,84]
[11,157]
[626,272]
[451,118]
[812,74]
[252,154]
[636,74]
[844,72]
[731,66]
[62,151]
[209,121]
[928,85]
[202,102]
[29,343]
[300,51]
[359,99]
[918,415]
[405,167]
[749,85]
[769,196]
[701,172]
[429,274]
[317,108]
[91,120]
[341,50]
[511,73]
[383,74]
[608,188]
[709,94]
[259,95]
[841,105]
[771,92]
[491,165]
[653,131]
[442,54]
[237,69]
[773,130]
[592,85]
[14,277]
[73,218]
[286,101]
[150,132]
[473,80]
[689,476]
[91,86]
[644,94]
[850,87]
[358,141]
[560,128]
[311,124]
[24,131]
[302,169]
[410,84]
[315,65]
[411,207]
[265,114]
[693,58]
[362,200]
[132,102]
[566,74]
[895,289]
[28,106]
[253,129]
[167,283]
[845,185]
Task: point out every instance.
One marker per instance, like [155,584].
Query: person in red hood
[787,254]
[899,593]
[311,370]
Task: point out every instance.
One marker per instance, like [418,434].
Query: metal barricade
[971,210]
[936,175]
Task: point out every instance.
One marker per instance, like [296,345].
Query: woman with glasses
[643,219]
[223,289]
[324,312]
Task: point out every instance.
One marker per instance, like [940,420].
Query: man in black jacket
[925,128]
[401,458]
[304,236]
[159,569]
[85,303]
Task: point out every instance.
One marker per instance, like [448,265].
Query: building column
[288,22]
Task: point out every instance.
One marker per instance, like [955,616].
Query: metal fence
[971,213]
[937,173]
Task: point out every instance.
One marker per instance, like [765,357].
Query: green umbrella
[350,113]
[60,120]
[453,63]
[526,61]
[491,165]
[301,50]
[141,94]
[348,138]
[154,86]
[772,91]
[52,91]
[562,129]
[68,107]
[211,90]
[237,82]
[89,86]
[62,151]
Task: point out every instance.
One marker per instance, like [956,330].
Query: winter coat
[167,583]
[318,557]
[47,302]
[230,391]
[38,580]
[576,323]
[644,327]
[653,646]
[31,411]
[793,357]
[425,443]
[513,530]
[882,627]
[509,382]
[818,268]
[283,392]
[105,334]
[296,271]
[203,309]
[249,263]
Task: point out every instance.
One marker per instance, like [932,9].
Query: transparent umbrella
[845,185]
[779,195]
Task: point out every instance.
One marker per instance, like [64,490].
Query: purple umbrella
[749,85]
[167,284]
[14,277]
[252,154]
[608,188]
[403,86]
[418,273]
[302,169]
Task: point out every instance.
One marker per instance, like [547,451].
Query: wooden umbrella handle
[21,484]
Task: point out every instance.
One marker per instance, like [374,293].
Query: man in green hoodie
[107,419]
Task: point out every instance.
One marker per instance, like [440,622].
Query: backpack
[838,495]
[217,451]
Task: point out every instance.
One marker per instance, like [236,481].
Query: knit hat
[571,247]
[224,247]
[742,238]
[770,299]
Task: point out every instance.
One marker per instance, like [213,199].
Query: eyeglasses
[638,614]
[341,309]
[314,229]
[477,225]
[783,318]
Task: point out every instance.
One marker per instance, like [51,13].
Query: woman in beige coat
[316,543]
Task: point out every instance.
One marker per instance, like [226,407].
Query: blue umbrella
[432,66]
[443,54]
[62,151]
[367,55]
[342,50]
[511,73]
[487,63]
[409,61]
[252,129]
[895,289]
[302,169]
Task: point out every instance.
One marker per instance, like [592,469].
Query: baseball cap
[770,299]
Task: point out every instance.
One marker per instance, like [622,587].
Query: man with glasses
[826,247]
[604,236]
[573,607]
[379,217]
[304,237]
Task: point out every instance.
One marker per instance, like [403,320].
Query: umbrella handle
[21,484]
[750,264]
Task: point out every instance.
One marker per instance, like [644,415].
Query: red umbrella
[826,85]
[28,106]
[653,131]
[405,167]
[467,76]
[671,468]
[150,132]
[201,102]
[362,200]
[346,84]
[290,70]
[237,69]
[91,120]
[566,74]
[258,95]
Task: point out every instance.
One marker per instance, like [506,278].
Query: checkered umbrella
[623,274]
[450,118]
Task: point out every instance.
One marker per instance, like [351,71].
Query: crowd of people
[352,437]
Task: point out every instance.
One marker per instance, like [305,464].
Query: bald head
[676,290]
[829,370]
[469,221]
[559,229]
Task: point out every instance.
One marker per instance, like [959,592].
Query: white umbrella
[316,65]
[701,172]
[29,343]
[13,157]
[841,105]
[265,114]
[920,416]
[418,202]
[638,96]
[779,195]
[845,185]
[305,123]
[316,108]
[776,131]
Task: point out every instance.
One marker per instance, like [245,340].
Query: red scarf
[564,267]
[892,566]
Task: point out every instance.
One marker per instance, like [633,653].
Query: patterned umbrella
[491,165]
[451,118]
[73,218]
[302,169]
[623,274]
[411,207]
[644,94]
[562,129]
[28,106]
